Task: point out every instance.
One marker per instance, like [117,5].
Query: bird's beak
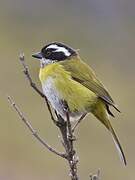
[37,55]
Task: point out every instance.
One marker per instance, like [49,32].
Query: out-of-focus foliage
[104,31]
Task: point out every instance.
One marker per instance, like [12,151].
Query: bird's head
[54,52]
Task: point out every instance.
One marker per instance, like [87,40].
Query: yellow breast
[78,97]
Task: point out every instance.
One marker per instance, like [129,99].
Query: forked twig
[33,131]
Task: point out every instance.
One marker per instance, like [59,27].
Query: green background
[104,31]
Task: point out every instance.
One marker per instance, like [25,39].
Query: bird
[70,85]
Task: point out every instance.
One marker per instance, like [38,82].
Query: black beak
[37,55]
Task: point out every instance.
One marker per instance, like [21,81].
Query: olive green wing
[83,74]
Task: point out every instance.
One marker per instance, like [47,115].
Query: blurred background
[104,31]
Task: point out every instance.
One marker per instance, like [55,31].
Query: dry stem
[33,131]
[95,176]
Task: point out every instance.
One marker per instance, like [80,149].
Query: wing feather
[83,74]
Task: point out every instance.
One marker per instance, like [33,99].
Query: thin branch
[26,72]
[78,122]
[70,134]
[33,131]
[72,153]
[33,85]
[95,176]
[62,125]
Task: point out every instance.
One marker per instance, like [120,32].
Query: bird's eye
[48,53]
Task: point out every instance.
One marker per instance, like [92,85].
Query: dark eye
[48,53]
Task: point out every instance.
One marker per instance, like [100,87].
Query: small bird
[70,84]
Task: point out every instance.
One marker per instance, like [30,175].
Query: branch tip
[21,56]
[95,176]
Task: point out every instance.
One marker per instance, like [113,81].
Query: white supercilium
[59,49]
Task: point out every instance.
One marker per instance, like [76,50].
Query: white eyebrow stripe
[52,46]
[59,49]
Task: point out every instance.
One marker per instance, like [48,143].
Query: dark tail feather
[108,110]
[101,113]
[117,144]
[116,108]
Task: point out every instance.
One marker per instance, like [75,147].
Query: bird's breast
[58,86]
[49,77]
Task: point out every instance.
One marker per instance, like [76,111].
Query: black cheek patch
[57,56]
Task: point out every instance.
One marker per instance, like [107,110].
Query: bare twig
[33,131]
[67,135]
[27,73]
[78,122]
[33,85]
[71,151]
[95,176]
[62,125]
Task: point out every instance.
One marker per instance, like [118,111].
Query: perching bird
[69,83]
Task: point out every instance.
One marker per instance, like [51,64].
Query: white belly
[55,99]
[52,94]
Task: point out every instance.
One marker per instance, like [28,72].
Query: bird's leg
[60,121]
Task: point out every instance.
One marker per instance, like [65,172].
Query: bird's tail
[101,113]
